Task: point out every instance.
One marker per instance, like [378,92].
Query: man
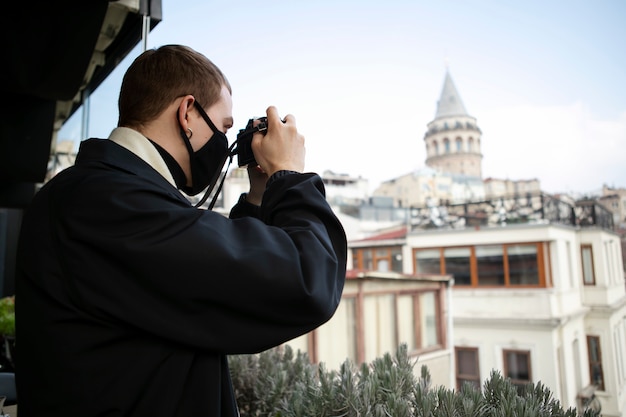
[129,299]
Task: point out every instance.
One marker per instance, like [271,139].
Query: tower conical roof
[450,103]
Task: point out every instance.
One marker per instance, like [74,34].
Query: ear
[184,108]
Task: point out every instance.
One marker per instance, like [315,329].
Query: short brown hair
[158,76]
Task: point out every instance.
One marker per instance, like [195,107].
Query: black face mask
[206,164]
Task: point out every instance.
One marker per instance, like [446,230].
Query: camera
[244,141]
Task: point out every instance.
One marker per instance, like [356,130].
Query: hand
[282,147]
[258,180]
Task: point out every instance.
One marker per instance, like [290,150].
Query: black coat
[128,299]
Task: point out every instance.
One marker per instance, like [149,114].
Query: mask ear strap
[205,116]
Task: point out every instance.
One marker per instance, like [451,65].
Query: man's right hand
[282,147]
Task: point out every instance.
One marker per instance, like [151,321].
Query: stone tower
[453,138]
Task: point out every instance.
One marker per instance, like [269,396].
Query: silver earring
[190,132]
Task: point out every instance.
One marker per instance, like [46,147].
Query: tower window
[459,145]
[446,145]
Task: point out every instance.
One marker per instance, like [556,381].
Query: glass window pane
[517,366]
[457,261]
[467,367]
[380,325]
[595,361]
[382,265]
[490,265]
[596,375]
[587,258]
[467,361]
[594,349]
[428,319]
[428,261]
[396,260]
[382,253]
[523,269]
[367,259]
[406,321]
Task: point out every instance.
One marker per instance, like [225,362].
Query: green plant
[7,316]
[281,383]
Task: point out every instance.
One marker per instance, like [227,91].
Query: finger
[290,119]
[272,113]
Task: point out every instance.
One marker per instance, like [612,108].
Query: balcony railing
[538,208]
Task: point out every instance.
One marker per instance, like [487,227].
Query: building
[453,137]
[495,187]
[614,199]
[538,293]
[417,188]
[453,158]
[344,189]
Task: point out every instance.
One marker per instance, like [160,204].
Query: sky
[545,80]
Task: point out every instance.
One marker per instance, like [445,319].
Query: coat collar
[138,144]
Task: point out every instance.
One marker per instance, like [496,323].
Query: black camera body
[244,141]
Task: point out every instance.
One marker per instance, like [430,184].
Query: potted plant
[7,333]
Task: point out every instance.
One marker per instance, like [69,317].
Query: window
[508,265]
[517,367]
[396,260]
[595,362]
[446,145]
[459,144]
[381,259]
[617,340]
[489,261]
[406,328]
[589,277]
[367,262]
[427,319]
[458,264]
[428,261]
[522,263]
[467,367]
